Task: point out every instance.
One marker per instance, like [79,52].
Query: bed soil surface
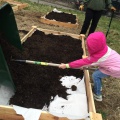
[62,17]
[36,84]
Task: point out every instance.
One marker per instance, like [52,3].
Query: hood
[96,43]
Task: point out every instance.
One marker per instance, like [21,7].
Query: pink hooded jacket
[100,55]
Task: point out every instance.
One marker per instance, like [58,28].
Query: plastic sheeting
[5,94]
[75,107]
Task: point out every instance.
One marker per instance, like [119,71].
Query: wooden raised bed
[59,23]
[8,113]
[16,5]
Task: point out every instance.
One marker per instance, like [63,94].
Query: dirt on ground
[26,19]
[110,106]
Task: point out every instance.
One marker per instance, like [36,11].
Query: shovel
[110,23]
[45,63]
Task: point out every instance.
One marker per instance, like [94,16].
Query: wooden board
[16,5]
[58,23]
[8,113]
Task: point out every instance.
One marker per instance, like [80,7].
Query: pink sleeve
[80,63]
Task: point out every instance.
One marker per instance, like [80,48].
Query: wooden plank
[95,116]
[29,34]
[15,8]
[17,5]
[21,6]
[84,56]
[8,113]
[58,23]
[91,104]
[59,33]
[83,46]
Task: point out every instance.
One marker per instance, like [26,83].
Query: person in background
[93,13]
[100,55]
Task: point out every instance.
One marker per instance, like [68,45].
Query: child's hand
[62,65]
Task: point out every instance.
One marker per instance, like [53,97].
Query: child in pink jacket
[107,60]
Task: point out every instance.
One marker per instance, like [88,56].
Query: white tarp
[75,107]
[5,94]
[28,113]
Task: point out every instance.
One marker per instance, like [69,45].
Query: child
[107,60]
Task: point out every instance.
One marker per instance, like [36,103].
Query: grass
[103,114]
[35,7]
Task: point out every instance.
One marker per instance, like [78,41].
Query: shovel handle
[42,63]
[53,64]
[110,23]
[36,62]
[47,64]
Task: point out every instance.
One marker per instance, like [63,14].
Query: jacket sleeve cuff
[67,66]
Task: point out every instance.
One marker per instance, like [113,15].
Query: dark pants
[90,15]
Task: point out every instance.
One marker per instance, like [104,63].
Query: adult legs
[88,18]
[97,79]
[95,20]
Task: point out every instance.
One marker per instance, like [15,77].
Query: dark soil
[36,84]
[62,17]
[73,87]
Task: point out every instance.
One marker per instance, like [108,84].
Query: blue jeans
[97,79]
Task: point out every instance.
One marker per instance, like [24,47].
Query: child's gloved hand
[62,65]
[113,8]
[81,7]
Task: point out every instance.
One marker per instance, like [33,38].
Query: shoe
[97,97]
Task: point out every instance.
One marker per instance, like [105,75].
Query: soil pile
[62,17]
[36,84]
